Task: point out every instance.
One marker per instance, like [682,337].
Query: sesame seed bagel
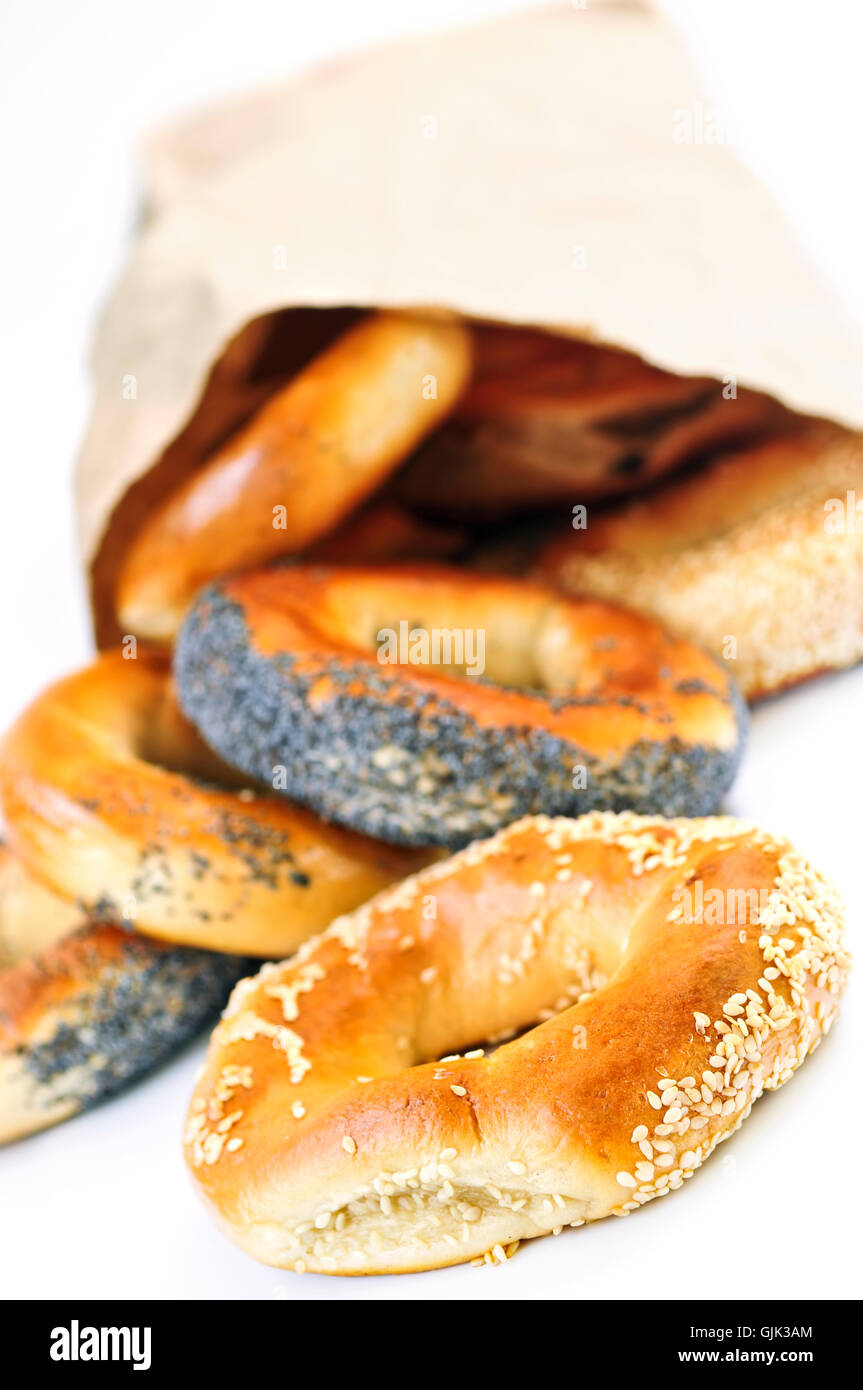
[584,706]
[758,557]
[103,799]
[333,1130]
[311,454]
[87,1007]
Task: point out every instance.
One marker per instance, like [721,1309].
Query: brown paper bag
[558,169]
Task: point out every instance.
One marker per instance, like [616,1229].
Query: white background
[101,1206]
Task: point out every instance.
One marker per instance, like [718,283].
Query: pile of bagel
[424,690]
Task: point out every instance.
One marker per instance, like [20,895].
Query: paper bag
[559,169]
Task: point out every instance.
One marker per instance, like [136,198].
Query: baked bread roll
[348,1122]
[758,557]
[111,798]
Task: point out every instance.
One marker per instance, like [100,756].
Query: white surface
[101,1206]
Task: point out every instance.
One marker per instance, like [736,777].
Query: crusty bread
[758,557]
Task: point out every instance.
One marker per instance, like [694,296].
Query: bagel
[86,1007]
[278,669]
[758,557]
[31,917]
[325,1135]
[548,419]
[102,799]
[316,449]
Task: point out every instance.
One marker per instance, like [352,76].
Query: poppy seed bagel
[87,1007]
[587,707]
[110,797]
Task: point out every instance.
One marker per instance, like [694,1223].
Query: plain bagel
[110,798]
[86,1007]
[337,1129]
[583,706]
[311,454]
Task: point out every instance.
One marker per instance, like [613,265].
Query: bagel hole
[522,640]
[490,1044]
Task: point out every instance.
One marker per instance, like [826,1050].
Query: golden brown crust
[267,352]
[102,798]
[758,557]
[325,1136]
[317,448]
